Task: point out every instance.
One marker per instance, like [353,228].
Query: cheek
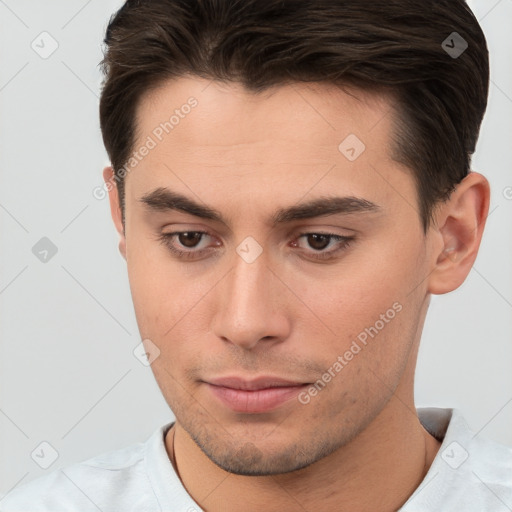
[171,310]
[362,311]
[352,297]
[162,290]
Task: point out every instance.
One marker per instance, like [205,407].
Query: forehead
[227,114]
[219,140]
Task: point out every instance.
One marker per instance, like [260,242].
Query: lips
[257,395]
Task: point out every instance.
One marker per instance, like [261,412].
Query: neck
[378,470]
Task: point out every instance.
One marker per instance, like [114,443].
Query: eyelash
[166,239]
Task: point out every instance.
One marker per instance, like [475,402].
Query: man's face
[263,295]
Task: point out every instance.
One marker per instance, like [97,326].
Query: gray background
[68,375]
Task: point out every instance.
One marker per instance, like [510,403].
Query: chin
[249,460]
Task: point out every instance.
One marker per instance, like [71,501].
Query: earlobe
[115,206]
[122,246]
[460,225]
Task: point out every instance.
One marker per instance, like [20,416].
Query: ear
[460,223]
[115,207]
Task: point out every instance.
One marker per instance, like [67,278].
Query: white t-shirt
[469,473]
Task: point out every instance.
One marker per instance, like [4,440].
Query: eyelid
[343,244]
[192,254]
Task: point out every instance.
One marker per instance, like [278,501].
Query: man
[291,182]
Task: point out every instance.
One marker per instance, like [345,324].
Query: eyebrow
[163,199]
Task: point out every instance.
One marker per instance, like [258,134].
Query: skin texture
[357,444]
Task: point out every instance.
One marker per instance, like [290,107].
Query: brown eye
[189,239]
[187,244]
[318,241]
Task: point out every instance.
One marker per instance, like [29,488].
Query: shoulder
[477,474]
[470,472]
[490,464]
[472,452]
[92,485]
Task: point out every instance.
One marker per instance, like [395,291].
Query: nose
[249,306]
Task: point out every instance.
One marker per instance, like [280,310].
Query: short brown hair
[400,45]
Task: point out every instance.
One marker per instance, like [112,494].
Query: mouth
[253,396]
